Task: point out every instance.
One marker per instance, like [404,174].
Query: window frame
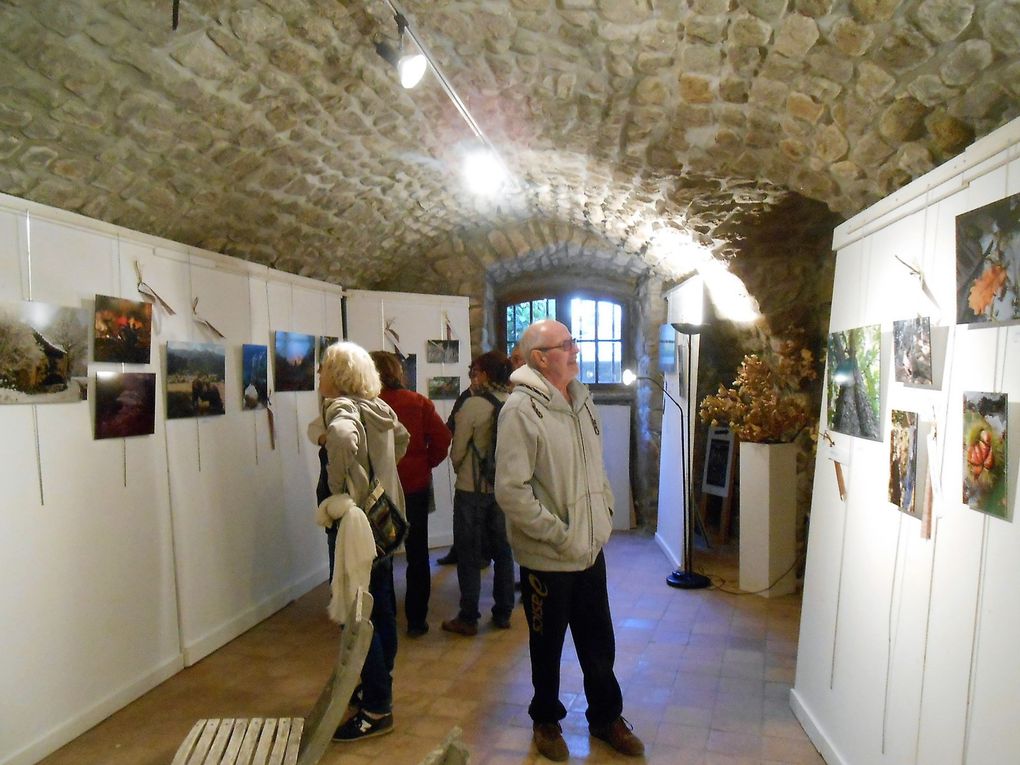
[563,295]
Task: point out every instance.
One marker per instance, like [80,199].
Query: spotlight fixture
[504,178]
[410,66]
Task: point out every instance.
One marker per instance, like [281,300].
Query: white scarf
[355,551]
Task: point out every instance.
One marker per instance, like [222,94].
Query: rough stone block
[966,62]
[851,38]
[796,35]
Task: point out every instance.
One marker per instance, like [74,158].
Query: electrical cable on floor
[720,586]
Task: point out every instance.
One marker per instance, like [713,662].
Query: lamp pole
[685,578]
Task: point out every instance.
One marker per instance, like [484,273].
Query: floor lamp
[685,578]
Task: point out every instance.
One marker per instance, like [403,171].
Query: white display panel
[907,651]
[127,558]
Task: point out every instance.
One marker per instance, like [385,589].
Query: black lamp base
[687,580]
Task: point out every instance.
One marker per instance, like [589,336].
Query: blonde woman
[364,436]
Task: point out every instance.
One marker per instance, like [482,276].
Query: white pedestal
[768,511]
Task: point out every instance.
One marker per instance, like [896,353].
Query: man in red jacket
[430,441]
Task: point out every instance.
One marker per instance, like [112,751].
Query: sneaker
[501,622]
[362,725]
[549,741]
[417,630]
[619,735]
[461,627]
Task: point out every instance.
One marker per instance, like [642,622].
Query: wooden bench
[287,740]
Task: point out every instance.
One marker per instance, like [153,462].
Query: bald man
[552,485]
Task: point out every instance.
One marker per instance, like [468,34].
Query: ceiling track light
[410,66]
[430,63]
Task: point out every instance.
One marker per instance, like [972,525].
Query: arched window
[596,323]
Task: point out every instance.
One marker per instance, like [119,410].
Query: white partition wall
[908,649]
[416,319]
[125,559]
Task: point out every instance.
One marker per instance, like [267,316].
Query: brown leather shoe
[461,627]
[549,742]
[618,734]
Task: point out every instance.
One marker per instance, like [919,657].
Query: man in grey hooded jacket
[552,486]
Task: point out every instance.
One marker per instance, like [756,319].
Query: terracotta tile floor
[705,677]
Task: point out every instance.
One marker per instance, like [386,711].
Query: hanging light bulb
[411,68]
[483,172]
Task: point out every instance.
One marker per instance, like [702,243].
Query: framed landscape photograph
[988,263]
[442,388]
[195,375]
[123,330]
[854,382]
[125,404]
[985,481]
[442,351]
[912,351]
[254,376]
[293,361]
[44,352]
[903,462]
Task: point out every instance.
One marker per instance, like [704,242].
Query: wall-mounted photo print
[44,353]
[441,388]
[984,452]
[324,342]
[854,382]
[912,351]
[123,330]
[195,375]
[293,361]
[254,374]
[442,351]
[903,462]
[988,263]
[125,404]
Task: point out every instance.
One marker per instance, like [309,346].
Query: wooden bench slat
[265,742]
[280,744]
[297,728]
[181,757]
[251,737]
[219,743]
[201,748]
[237,735]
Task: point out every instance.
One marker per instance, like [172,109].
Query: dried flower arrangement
[767,402]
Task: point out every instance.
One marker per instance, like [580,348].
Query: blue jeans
[377,674]
[479,533]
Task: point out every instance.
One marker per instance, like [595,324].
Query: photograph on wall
[441,388]
[903,462]
[442,351]
[123,330]
[43,353]
[125,404]
[195,375]
[324,342]
[254,374]
[854,381]
[984,452]
[912,351]
[410,365]
[988,263]
[293,361]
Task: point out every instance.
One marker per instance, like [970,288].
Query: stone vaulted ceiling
[271,129]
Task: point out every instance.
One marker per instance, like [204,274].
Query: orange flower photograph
[988,263]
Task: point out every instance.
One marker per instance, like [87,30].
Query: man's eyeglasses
[566,346]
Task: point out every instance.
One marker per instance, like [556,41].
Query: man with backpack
[479,528]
